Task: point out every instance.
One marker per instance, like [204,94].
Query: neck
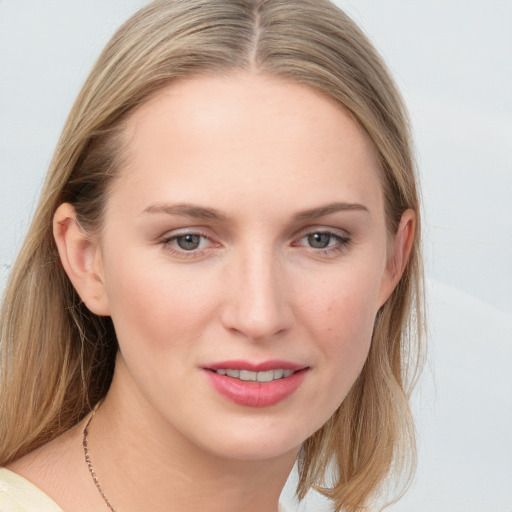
[144,463]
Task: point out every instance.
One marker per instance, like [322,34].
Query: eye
[188,242]
[320,240]
[324,241]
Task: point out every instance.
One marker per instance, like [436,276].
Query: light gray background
[453,61]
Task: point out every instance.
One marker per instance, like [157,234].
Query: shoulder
[19,495]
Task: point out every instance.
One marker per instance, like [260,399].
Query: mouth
[256,385]
[251,376]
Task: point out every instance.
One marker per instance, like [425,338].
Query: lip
[264,366]
[256,394]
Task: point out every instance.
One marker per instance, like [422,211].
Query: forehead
[210,138]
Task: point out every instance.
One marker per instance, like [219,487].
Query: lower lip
[256,394]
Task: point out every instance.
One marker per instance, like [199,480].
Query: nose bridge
[258,304]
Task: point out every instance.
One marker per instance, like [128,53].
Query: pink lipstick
[256,384]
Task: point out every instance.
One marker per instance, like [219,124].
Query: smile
[247,375]
[256,384]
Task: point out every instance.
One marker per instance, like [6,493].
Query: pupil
[188,242]
[319,240]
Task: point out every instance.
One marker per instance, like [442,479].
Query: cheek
[344,304]
[344,329]
[161,318]
[154,306]
[340,316]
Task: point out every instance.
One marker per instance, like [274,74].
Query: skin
[277,162]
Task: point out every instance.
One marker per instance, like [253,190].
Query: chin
[255,448]
[256,438]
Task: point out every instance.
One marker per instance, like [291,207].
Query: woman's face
[244,241]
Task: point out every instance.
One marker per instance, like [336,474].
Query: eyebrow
[328,209]
[187,210]
[200,212]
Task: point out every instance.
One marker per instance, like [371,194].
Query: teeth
[265,376]
[247,375]
[278,374]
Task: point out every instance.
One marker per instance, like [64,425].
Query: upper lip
[239,364]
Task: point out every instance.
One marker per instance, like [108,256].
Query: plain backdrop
[452,60]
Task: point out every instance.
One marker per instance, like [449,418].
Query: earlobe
[399,254]
[80,256]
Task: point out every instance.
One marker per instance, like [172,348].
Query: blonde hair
[68,353]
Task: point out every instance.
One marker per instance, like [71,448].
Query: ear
[398,254]
[80,256]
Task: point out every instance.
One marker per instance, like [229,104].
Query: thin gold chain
[88,461]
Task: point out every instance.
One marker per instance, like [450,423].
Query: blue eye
[320,240]
[188,242]
[324,241]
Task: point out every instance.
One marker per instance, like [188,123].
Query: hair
[68,353]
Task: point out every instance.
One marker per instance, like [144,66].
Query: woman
[221,273]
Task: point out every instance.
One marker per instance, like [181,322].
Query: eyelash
[341,243]
[169,243]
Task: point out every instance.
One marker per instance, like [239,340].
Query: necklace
[88,460]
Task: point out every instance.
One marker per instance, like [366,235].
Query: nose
[258,302]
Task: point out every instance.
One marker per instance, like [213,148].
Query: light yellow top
[19,495]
